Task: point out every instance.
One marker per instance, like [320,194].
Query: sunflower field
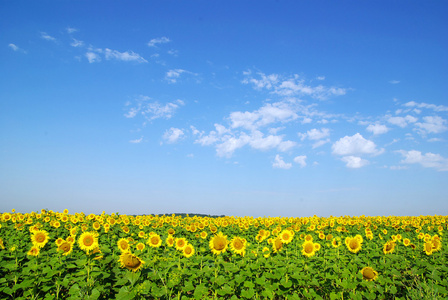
[53,255]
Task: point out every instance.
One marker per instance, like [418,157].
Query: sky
[238,108]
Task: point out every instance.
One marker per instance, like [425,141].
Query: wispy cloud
[47,37]
[290,85]
[16,48]
[173,135]
[123,56]
[173,75]
[301,160]
[394,81]
[151,110]
[136,141]
[76,43]
[377,129]
[354,162]
[71,30]
[92,57]
[156,41]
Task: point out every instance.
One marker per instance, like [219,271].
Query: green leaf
[248,293]
[200,291]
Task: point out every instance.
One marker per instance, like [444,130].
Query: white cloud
[13,47]
[354,162]
[401,121]
[136,141]
[320,77]
[431,124]
[173,135]
[279,163]
[355,145]
[377,129]
[229,144]
[438,108]
[394,81]
[267,114]
[47,37]
[71,30]
[124,56]
[315,134]
[428,160]
[152,110]
[76,43]
[289,86]
[93,57]
[320,143]
[173,75]
[16,48]
[162,40]
[301,160]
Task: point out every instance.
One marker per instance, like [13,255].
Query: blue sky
[243,108]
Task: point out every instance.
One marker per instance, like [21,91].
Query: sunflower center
[237,244]
[40,238]
[368,273]
[132,262]
[65,247]
[309,248]
[154,240]
[354,244]
[180,243]
[285,236]
[219,243]
[188,250]
[88,241]
[389,247]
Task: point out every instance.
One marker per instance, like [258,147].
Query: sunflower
[96,225]
[140,246]
[66,248]
[180,243]
[427,248]
[238,245]
[171,231]
[389,247]
[40,238]
[369,274]
[406,242]
[141,234]
[203,235]
[308,249]
[2,246]
[218,243]
[308,238]
[336,242]
[170,241]
[277,244]
[287,236]
[154,241]
[317,246]
[188,250]
[59,241]
[88,241]
[34,251]
[266,252]
[353,244]
[131,262]
[123,245]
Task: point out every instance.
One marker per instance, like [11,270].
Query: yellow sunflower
[170,241]
[131,262]
[140,246]
[34,251]
[238,245]
[308,249]
[389,247]
[88,241]
[188,250]
[427,248]
[218,243]
[266,252]
[154,241]
[336,242]
[354,244]
[287,236]
[369,274]
[180,243]
[123,245]
[203,235]
[40,238]
[277,244]
[66,248]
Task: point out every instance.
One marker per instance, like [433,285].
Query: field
[52,255]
